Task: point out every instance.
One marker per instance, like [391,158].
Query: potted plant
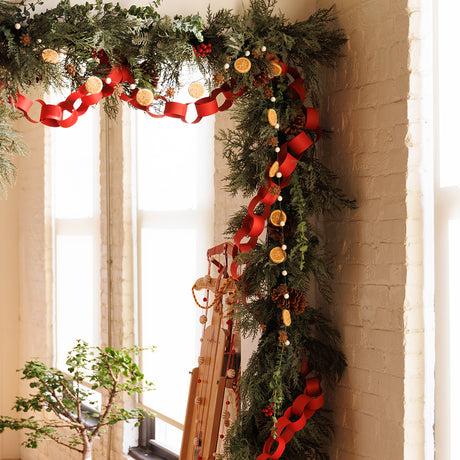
[68,398]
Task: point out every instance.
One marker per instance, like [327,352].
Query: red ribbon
[303,407]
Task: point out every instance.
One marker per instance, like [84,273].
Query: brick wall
[378,272]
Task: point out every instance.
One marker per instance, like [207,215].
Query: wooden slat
[186,452]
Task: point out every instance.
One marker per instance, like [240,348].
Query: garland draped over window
[267,70]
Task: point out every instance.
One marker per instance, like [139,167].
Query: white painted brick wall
[378,276]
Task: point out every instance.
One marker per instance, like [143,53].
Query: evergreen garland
[92,38]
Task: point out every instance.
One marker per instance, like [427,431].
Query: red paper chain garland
[303,407]
[289,155]
[53,114]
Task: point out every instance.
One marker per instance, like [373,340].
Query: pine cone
[148,68]
[297,301]
[70,69]
[296,124]
[261,79]
[277,295]
[25,40]
[271,57]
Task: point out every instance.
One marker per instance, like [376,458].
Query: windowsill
[155,452]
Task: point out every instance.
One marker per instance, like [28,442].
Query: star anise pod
[170,92]
[218,79]
[25,40]
[268,92]
[283,337]
[70,69]
[119,90]
[272,141]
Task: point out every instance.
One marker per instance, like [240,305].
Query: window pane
[170,262]
[75,159]
[77,312]
[168,436]
[449,97]
[175,164]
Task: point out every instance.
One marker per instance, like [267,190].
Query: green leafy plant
[63,403]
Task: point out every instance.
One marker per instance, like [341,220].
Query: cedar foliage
[155,49]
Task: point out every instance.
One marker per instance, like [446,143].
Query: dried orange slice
[93,85]
[196,89]
[242,65]
[144,97]
[50,56]
[277,216]
[276,69]
[272,117]
[273,169]
[277,255]
[286,317]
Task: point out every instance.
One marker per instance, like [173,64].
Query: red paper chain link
[303,407]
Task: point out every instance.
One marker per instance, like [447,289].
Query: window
[159,210]
[174,219]
[76,233]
